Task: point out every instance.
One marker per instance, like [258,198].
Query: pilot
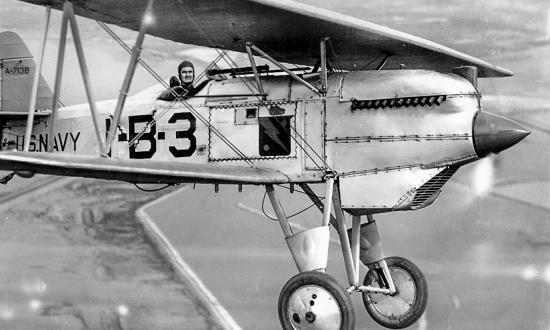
[182,86]
[186,74]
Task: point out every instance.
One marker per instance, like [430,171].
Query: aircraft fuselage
[388,132]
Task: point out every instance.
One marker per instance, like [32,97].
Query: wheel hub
[399,303]
[313,307]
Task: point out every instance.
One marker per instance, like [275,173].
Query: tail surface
[17,69]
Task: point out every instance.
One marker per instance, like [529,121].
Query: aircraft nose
[493,134]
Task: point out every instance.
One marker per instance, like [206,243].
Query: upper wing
[290,31]
[137,171]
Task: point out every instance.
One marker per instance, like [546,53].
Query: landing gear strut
[394,290]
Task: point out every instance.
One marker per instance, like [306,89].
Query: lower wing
[136,171]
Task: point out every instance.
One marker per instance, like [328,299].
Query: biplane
[379,117]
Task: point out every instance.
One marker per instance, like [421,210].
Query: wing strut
[323,59]
[69,18]
[179,98]
[254,68]
[129,75]
[36,80]
[58,75]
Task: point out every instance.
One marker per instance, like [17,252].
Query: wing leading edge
[290,30]
[136,171]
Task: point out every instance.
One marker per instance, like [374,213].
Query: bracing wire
[141,61]
[221,55]
[295,190]
[179,98]
[295,131]
[189,107]
[369,63]
[281,56]
[307,153]
[227,59]
[288,217]
[334,54]
[312,149]
[165,110]
[156,189]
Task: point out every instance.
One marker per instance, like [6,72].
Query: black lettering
[187,134]
[147,136]
[62,143]
[32,143]
[43,142]
[55,146]
[75,139]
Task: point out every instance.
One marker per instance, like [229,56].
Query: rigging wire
[230,62]
[181,99]
[141,61]
[335,57]
[288,217]
[372,61]
[310,147]
[156,189]
[281,56]
[135,140]
[201,31]
[295,190]
[305,151]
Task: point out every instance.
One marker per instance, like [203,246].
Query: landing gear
[407,304]
[314,300]
[394,290]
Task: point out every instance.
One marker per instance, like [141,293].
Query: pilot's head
[186,72]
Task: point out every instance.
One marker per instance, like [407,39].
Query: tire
[407,305]
[305,295]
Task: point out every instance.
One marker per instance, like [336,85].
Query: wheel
[314,300]
[403,308]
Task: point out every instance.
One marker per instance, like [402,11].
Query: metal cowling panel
[396,84]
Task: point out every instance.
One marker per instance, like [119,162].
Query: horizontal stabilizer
[14,115]
[136,171]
